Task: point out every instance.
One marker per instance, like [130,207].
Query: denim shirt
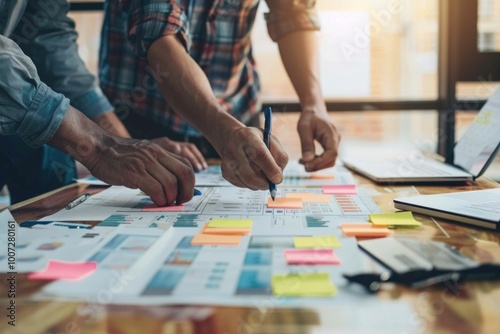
[41,72]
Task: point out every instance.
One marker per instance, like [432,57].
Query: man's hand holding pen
[248,163]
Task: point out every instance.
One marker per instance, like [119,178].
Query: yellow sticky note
[303,285]
[230,223]
[215,239]
[284,203]
[329,241]
[309,197]
[404,218]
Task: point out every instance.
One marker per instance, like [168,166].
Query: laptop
[479,208]
[472,155]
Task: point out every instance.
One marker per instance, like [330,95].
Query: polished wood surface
[471,307]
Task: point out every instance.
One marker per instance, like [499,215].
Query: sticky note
[284,203]
[364,230]
[215,239]
[309,197]
[303,285]
[319,176]
[404,218]
[340,189]
[311,256]
[230,223]
[230,231]
[329,241]
[60,270]
[154,208]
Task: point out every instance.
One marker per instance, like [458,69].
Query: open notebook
[480,208]
[473,153]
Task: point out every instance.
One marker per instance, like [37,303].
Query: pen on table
[267,141]
[79,200]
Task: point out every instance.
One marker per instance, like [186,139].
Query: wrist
[224,125]
[81,138]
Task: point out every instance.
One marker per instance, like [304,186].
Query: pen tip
[273,194]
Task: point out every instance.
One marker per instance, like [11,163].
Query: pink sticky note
[71,271]
[154,208]
[215,239]
[284,203]
[311,256]
[340,189]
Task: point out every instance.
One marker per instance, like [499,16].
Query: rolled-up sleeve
[28,107]
[287,16]
[52,47]
[150,19]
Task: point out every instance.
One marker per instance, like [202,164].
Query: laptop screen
[477,148]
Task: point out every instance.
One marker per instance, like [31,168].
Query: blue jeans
[30,172]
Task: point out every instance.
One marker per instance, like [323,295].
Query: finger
[183,171]
[173,172]
[261,156]
[306,140]
[153,188]
[166,179]
[193,160]
[169,145]
[197,158]
[279,153]
[318,163]
[329,140]
[228,172]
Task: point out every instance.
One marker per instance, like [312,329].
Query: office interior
[410,80]
[388,77]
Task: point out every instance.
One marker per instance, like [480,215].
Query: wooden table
[472,307]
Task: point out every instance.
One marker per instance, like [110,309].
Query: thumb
[306,142]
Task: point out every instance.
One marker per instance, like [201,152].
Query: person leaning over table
[34,113]
[38,39]
[181,68]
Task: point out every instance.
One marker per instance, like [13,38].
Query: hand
[248,163]
[164,176]
[186,150]
[317,126]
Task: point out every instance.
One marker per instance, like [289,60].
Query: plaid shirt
[216,33]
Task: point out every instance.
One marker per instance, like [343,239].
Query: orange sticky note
[340,189]
[364,230]
[284,203]
[311,256]
[71,271]
[154,208]
[319,176]
[230,231]
[215,239]
[309,197]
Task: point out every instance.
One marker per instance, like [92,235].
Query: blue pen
[267,140]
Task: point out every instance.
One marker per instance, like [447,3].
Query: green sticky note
[329,241]
[230,222]
[404,218]
[303,285]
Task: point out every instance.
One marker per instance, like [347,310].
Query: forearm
[188,91]
[79,136]
[111,123]
[299,53]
